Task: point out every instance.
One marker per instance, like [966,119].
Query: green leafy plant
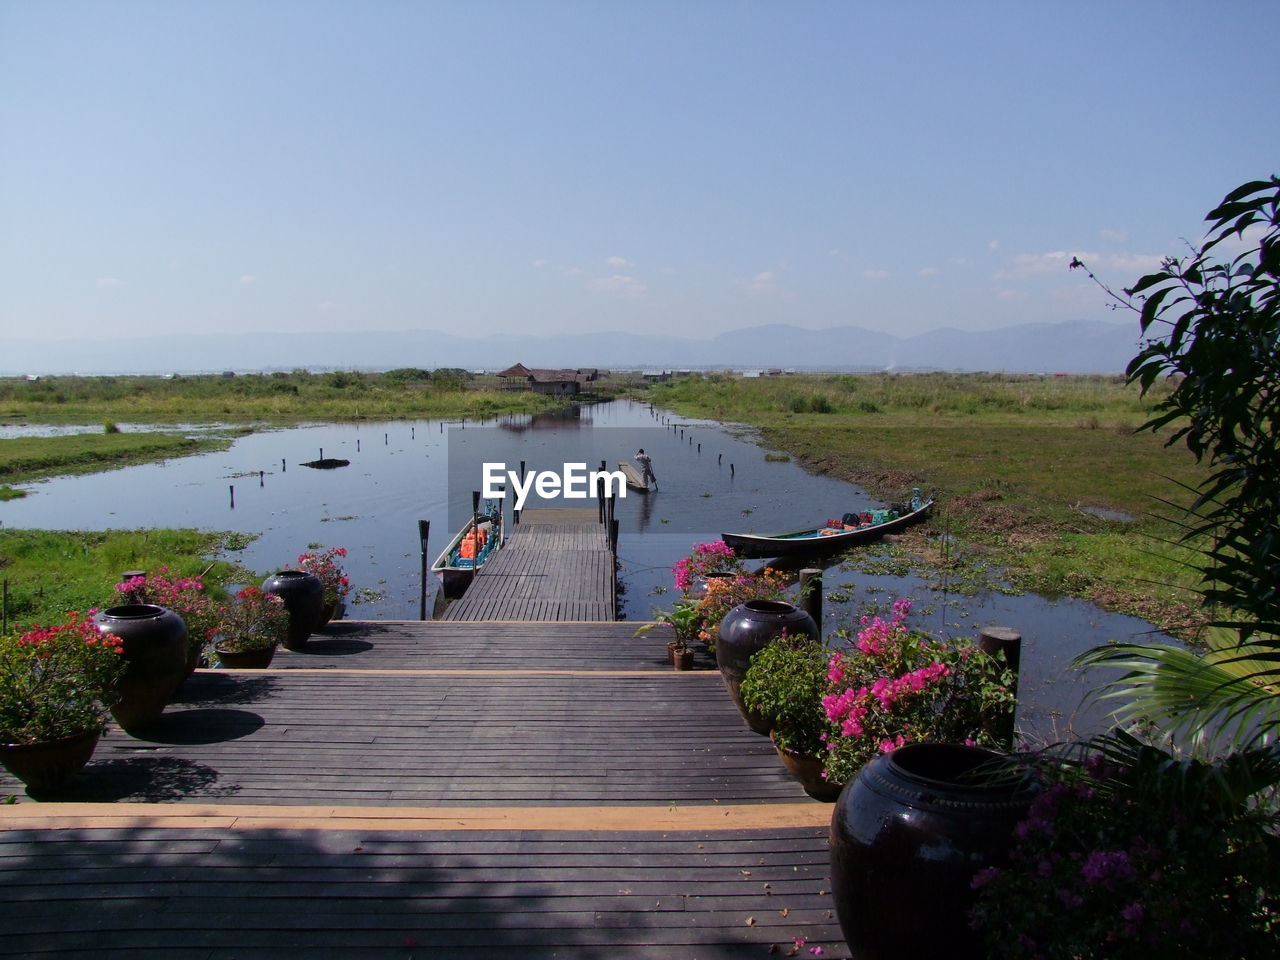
[252,620]
[57,681]
[785,683]
[1214,332]
[1129,852]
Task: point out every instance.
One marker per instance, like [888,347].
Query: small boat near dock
[635,480]
[473,545]
[850,530]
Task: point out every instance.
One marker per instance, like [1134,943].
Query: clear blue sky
[553,166]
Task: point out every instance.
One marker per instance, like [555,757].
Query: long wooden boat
[833,536]
[635,480]
[469,550]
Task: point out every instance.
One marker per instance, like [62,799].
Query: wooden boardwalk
[406,789]
[556,566]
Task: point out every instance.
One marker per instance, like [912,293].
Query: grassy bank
[278,398]
[51,572]
[1029,471]
[32,458]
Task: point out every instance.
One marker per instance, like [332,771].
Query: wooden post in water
[424,529]
[811,594]
[233,496]
[262,478]
[283,468]
[613,538]
[1005,644]
[357,444]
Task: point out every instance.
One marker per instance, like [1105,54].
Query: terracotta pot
[46,766]
[303,596]
[155,653]
[807,770]
[682,659]
[246,659]
[748,628]
[912,829]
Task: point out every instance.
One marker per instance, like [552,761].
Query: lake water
[712,479]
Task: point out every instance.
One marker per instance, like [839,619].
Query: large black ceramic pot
[154,640]
[747,628]
[303,596]
[907,836]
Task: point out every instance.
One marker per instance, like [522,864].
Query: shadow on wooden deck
[402,789]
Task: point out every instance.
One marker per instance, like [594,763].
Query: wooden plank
[292,892]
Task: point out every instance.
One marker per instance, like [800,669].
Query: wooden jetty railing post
[1004,643]
[811,594]
[424,529]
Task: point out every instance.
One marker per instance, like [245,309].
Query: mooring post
[1005,644]
[475,504]
[357,444]
[233,496]
[731,469]
[613,538]
[424,529]
[811,594]
[282,466]
[262,478]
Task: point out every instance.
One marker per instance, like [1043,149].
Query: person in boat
[645,463]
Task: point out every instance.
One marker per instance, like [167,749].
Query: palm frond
[1226,699]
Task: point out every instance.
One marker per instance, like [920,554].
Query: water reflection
[713,480]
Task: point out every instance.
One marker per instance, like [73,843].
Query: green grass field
[1019,464]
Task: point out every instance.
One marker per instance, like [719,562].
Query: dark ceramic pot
[246,659]
[47,766]
[807,771]
[747,628]
[303,596]
[908,834]
[155,652]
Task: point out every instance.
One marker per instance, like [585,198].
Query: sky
[546,166]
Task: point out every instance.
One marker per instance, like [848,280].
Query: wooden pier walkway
[556,566]
[403,789]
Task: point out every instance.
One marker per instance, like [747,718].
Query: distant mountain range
[1078,347]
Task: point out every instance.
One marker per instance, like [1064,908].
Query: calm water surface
[711,480]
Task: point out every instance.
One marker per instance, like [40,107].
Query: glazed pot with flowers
[188,597]
[927,804]
[784,684]
[325,565]
[57,686]
[156,649]
[248,629]
[303,596]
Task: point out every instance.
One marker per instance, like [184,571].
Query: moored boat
[850,530]
[479,538]
[635,480]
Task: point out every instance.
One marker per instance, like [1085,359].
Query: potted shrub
[784,684]
[894,686]
[188,597]
[57,685]
[325,566]
[1131,851]
[249,628]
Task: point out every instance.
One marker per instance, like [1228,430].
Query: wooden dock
[403,789]
[556,566]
